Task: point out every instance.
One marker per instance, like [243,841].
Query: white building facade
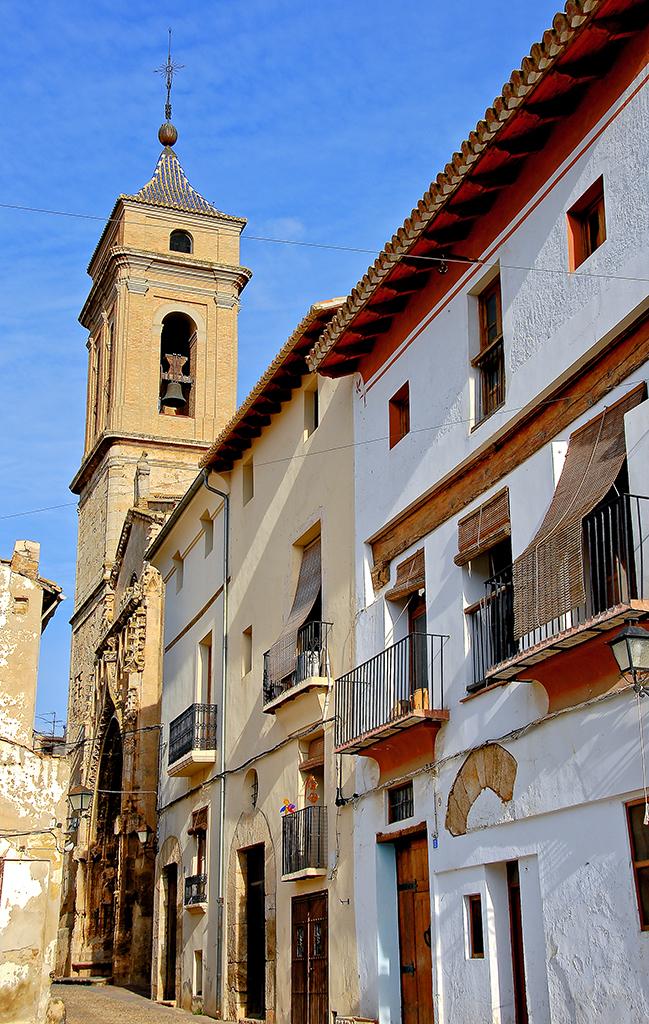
[500,348]
[254,870]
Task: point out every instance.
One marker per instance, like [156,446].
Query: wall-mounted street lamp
[80,800]
[631,651]
[144,834]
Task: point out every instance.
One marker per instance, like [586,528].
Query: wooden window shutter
[199,821]
[411,577]
[549,575]
[283,654]
[483,528]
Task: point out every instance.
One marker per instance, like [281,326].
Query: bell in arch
[173,395]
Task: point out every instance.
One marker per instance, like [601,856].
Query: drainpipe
[222,733]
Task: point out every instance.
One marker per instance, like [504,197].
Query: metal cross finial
[169,69]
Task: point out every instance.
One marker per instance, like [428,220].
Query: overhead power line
[505,411]
[441,259]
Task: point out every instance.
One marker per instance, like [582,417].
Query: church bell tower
[161,318]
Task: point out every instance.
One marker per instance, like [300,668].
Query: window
[208,533]
[310,411]
[177,358]
[474,929]
[401,803]
[248,481]
[490,360]
[198,972]
[181,241]
[399,414]
[246,651]
[639,839]
[179,570]
[586,224]
[205,669]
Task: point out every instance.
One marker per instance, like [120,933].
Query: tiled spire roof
[169,187]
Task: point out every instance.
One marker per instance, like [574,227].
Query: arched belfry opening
[104,851]
[181,241]
[177,359]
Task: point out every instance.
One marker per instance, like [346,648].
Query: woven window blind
[411,577]
[483,528]
[199,821]
[283,654]
[548,576]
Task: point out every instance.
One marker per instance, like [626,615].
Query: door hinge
[407,968]
[403,886]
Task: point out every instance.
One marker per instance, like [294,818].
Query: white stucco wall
[586,957]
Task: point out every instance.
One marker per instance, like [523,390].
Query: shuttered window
[483,528]
[199,821]
[411,577]
[283,654]
[549,575]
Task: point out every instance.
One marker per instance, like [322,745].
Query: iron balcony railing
[304,840]
[409,676]
[195,729]
[614,540]
[195,890]
[311,659]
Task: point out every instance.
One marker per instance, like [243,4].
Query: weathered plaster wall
[33,788]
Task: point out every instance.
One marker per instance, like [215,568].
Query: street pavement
[108,1004]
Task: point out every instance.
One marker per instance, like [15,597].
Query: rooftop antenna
[168,134]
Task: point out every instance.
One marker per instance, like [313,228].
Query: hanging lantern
[631,651]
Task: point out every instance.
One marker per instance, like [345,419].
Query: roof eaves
[521,82]
[316,312]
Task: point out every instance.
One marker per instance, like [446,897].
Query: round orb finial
[168,134]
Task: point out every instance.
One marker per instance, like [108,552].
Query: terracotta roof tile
[318,314]
[542,55]
[169,187]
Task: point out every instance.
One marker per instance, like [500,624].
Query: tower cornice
[144,264]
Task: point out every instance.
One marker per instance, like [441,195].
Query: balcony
[196,893]
[311,674]
[615,585]
[192,740]
[391,707]
[304,844]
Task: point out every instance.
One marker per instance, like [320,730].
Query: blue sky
[318,122]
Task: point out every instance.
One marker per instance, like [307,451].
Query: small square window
[475,930]
[400,803]
[248,481]
[399,414]
[246,651]
[586,224]
[639,839]
[311,411]
[490,360]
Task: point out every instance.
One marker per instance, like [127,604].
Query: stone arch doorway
[104,852]
[251,854]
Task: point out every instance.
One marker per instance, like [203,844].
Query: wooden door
[414,931]
[309,959]
[171,920]
[516,933]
